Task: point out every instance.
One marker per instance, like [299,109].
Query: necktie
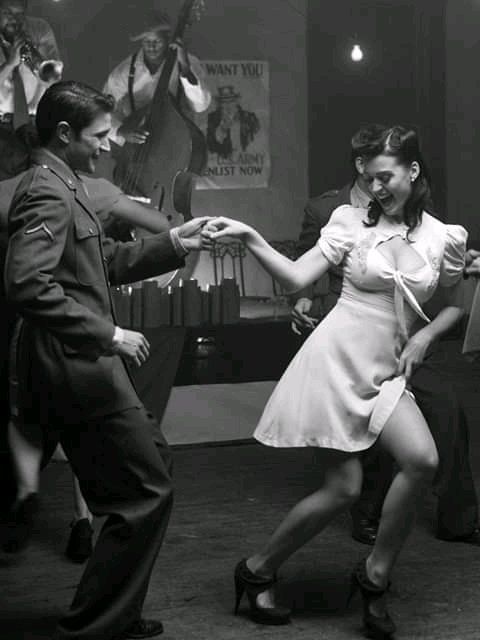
[20,107]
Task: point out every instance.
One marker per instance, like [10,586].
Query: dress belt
[402,293]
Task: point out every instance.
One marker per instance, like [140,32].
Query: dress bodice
[434,254]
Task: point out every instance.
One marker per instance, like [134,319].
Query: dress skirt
[341,387]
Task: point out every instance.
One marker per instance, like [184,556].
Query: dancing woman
[348,384]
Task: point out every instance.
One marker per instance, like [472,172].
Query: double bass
[164,168]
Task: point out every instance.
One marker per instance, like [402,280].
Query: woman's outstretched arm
[290,274]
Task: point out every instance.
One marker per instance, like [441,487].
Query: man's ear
[64,132]
[359,165]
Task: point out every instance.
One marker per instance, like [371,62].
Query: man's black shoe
[364,530]
[144,629]
[79,547]
[472,538]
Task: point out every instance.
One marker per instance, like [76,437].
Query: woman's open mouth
[386,201]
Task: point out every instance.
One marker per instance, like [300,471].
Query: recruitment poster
[236,125]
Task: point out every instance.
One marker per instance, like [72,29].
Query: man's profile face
[83,150]
[12,17]
[154,47]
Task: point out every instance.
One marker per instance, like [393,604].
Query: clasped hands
[222,227]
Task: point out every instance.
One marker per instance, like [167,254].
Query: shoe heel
[239,591]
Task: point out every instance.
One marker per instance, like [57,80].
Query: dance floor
[228,499]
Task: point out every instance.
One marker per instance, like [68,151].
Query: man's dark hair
[364,140]
[72,102]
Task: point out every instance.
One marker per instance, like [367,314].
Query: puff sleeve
[453,261]
[337,236]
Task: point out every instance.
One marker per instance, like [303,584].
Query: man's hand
[470,256]
[133,346]
[135,136]
[13,49]
[301,321]
[182,57]
[472,262]
[413,353]
[190,233]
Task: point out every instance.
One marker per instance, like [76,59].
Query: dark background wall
[399,81]
[462,114]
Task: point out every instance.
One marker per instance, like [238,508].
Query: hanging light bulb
[356,54]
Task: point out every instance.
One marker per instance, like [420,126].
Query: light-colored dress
[341,387]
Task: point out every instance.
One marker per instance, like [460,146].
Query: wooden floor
[228,499]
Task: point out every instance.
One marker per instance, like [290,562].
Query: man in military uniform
[71,363]
[457,511]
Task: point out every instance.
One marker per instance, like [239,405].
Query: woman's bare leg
[407,438]
[308,517]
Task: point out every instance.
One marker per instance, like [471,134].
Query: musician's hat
[160,25]
[226,94]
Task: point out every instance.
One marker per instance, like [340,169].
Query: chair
[236,252]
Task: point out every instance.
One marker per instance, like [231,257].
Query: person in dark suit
[71,359]
[457,509]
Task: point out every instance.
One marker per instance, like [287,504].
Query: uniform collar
[358,197]
[49,160]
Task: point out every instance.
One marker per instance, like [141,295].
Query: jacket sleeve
[144,258]
[40,220]
[315,218]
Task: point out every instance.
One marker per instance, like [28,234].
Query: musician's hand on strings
[135,136]
[182,57]
[190,233]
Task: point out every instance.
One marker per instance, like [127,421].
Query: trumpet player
[29,63]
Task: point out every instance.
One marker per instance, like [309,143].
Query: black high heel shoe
[246,581]
[378,627]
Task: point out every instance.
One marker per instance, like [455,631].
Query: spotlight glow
[356,53]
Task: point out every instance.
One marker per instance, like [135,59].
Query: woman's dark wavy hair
[403,145]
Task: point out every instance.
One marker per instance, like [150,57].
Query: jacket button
[91,231]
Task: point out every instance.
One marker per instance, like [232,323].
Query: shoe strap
[252,579]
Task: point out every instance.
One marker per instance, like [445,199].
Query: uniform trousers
[123,464]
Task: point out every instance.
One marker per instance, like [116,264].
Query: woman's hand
[414,352]
[221,227]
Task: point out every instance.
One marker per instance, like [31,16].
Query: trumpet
[46,70]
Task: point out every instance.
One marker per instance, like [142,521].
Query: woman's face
[390,183]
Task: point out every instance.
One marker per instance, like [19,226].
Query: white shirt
[198,96]
[43,38]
